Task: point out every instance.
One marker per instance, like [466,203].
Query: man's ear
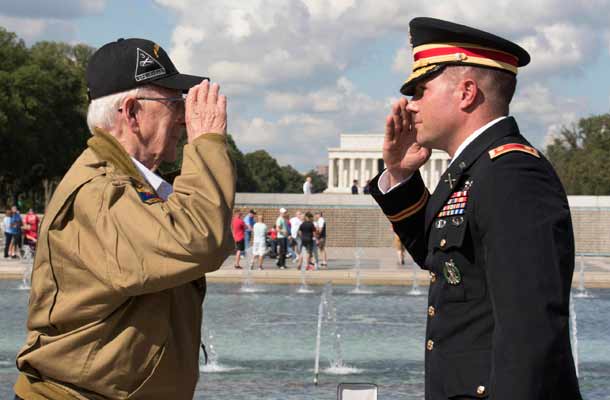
[469,90]
[129,113]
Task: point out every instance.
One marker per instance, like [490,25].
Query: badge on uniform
[452,273]
[147,196]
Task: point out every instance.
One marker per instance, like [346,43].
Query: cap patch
[147,67]
[507,148]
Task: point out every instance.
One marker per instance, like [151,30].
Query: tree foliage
[42,112]
[581,155]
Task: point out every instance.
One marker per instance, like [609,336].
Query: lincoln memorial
[359,157]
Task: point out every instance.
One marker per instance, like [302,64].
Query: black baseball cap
[129,63]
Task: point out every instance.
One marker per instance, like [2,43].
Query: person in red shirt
[239,230]
[30,231]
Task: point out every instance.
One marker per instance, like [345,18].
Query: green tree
[266,172]
[245,178]
[293,179]
[581,155]
[42,112]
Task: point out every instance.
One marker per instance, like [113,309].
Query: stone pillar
[331,173]
[341,172]
[362,178]
[352,172]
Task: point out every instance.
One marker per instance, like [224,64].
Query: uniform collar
[107,148]
[475,135]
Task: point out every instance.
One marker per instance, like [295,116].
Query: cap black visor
[181,82]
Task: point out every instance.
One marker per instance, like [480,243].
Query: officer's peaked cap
[437,43]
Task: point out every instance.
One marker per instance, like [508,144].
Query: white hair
[102,112]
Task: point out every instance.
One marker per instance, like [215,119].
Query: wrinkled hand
[206,111]
[402,155]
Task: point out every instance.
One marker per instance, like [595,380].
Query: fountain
[574,331]
[304,288]
[327,312]
[582,292]
[26,279]
[212,364]
[359,289]
[415,290]
[248,285]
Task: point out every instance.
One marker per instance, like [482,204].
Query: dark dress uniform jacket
[496,236]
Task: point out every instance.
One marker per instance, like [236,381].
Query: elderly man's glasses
[175,103]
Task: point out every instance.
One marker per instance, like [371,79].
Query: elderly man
[119,278]
[496,234]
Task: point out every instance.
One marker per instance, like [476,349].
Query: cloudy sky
[300,72]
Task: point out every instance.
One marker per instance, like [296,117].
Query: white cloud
[542,114]
[45,20]
[286,61]
[34,29]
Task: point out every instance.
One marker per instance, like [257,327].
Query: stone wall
[354,221]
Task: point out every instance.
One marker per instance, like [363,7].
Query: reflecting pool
[263,343]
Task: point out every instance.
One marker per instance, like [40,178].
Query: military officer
[496,233]
[119,276]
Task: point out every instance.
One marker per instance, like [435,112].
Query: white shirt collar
[162,188]
[473,136]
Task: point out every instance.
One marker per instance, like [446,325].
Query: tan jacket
[118,281]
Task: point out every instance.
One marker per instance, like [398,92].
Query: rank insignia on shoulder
[507,148]
[147,196]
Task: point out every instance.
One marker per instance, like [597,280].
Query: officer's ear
[470,95]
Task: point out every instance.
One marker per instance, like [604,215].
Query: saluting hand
[206,111]
[401,153]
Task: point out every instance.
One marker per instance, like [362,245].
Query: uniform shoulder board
[507,148]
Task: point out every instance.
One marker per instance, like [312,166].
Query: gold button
[431,311]
[443,242]
[481,390]
[430,345]
[432,277]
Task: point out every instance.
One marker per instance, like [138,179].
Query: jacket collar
[108,149]
[450,179]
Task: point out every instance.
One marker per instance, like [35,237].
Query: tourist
[115,308]
[307,185]
[259,244]
[8,232]
[307,233]
[289,240]
[16,233]
[238,226]
[320,224]
[496,234]
[295,223]
[249,220]
[355,186]
[272,234]
[30,228]
[366,189]
[282,235]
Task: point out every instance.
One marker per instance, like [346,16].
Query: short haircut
[497,86]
